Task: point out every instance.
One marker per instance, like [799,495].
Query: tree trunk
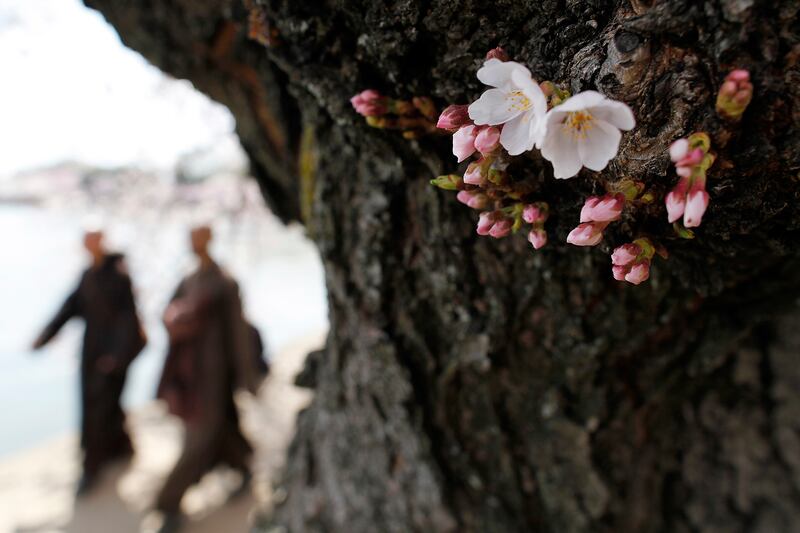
[472,384]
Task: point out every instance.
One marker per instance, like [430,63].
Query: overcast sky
[69,90]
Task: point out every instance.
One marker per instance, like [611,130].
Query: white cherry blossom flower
[584,131]
[516,101]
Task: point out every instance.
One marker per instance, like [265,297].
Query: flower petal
[496,73]
[560,148]
[492,108]
[619,272]
[615,113]
[525,83]
[638,273]
[586,235]
[464,142]
[599,145]
[676,205]
[581,101]
[625,254]
[678,150]
[538,101]
[696,204]
[516,135]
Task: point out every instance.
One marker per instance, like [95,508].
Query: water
[40,261]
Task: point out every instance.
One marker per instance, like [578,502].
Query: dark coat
[212,352]
[211,346]
[104,299]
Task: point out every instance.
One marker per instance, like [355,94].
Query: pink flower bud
[531,214]
[696,204]
[487,140]
[625,254]
[738,75]
[497,53]
[676,205]
[454,117]
[728,89]
[537,238]
[678,150]
[501,228]
[369,103]
[473,199]
[485,222]
[473,175]
[734,95]
[638,273]
[586,234]
[588,205]
[694,157]
[683,172]
[676,200]
[603,209]
[744,96]
[464,142]
[619,272]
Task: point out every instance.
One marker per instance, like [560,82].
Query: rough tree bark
[471,384]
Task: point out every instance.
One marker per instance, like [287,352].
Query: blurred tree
[472,384]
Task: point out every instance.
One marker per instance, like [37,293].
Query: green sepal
[647,247]
[682,231]
[448,182]
[498,177]
[700,139]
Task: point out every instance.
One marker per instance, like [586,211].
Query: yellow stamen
[517,101]
[579,123]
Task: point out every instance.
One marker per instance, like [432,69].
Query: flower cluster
[735,94]
[517,114]
[413,118]
[580,131]
[597,213]
[470,139]
[514,116]
[631,262]
[689,198]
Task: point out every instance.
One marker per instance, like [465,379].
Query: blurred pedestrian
[212,352]
[112,339]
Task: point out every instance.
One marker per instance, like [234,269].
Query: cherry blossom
[584,131]
[516,101]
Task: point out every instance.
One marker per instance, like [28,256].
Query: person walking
[112,339]
[211,354]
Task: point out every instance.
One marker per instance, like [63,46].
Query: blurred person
[112,339]
[212,352]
